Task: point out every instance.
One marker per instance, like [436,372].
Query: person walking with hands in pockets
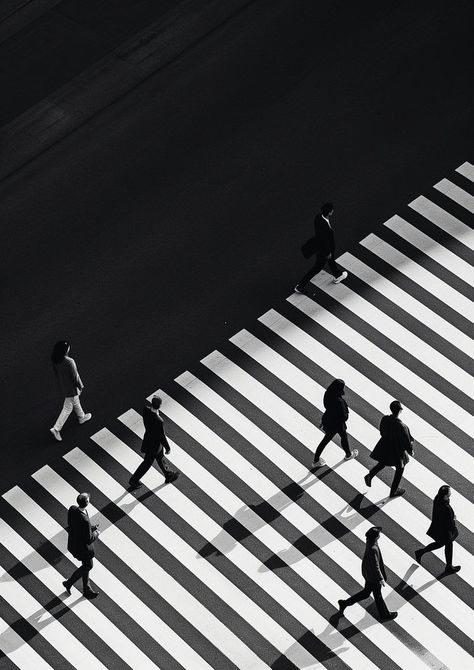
[70,385]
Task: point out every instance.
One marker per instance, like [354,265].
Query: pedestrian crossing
[241,562]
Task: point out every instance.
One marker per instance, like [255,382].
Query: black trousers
[148,462]
[329,434]
[374,588]
[82,571]
[397,478]
[448,550]
[319,263]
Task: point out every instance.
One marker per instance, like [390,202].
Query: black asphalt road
[175,217]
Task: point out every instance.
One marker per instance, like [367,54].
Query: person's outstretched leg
[360,595]
[170,475]
[371,473]
[321,446]
[448,552]
[394,490]
[345,445]
[380,602]
[318,265]
[419,553]
[144,466]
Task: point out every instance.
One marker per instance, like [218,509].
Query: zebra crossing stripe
[419,625]
[364,432]
[467,170]
[407,302]
[447,222]
[293,422]
[456,193]
[160,532]
[437,252]
[404,338]
[417,274]
[21,654]
[116,590]
[83,609]
[298,607]
[138,561]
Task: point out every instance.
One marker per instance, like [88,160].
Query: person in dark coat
[81,538]
[373,571]
[70,386]
[334,421]
[443,529]
[392,449]
[325,249]
[154,441]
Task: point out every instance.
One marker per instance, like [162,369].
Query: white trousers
[71,403]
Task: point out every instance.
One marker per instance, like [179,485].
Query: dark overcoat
[373,568]
[81,537]
[443,522]
[324,236]
[336,412]
[395,442]
[154,439]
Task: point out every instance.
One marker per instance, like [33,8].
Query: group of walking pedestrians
[392,450]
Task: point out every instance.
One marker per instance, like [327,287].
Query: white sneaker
[354,454]
[318,464]
[336,280]
[85,418]
[56,433]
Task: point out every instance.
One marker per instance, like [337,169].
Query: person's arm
[164,439]
[75,374]
[377,566]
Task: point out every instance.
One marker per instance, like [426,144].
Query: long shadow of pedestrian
[323,647]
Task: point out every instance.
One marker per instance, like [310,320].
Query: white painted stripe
[467,170]
[18,651]
[161,533]
[126,599]
[47,626]
[440,254]
[428,281]
[406,302]
[447,222]
[84,609]
[166,586]
[284,596]
[352,471]
[404,338]
[456,193]
[390,366]
[422,478]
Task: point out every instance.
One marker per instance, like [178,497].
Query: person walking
[392,449]
[325,249]
[154,441]
[70,385]
[333,422]
[81,538]
[373,571]
[443,529]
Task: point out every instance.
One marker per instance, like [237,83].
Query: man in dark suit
[81,538]
[325,249]
[393,448]
[373,571]
[154,441]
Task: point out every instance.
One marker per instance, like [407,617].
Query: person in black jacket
[81,538]
[154,441]
[392,449]
[373,571]
[443,529]
[325,249]
[334,421]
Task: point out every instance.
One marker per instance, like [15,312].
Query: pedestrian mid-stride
[70,386]
[325,249]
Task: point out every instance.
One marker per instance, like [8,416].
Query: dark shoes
[389,616]
[133,486]
[367,480]
[342,606]
[67,587]
[451,569]
[398,492]
[172,478]
[90,594]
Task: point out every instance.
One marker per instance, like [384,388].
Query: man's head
[396,407]
[156,402]
[327,209]
[373,533]
[83,500]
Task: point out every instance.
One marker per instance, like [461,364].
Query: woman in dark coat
[334,421]
[392,449]
[443,529]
